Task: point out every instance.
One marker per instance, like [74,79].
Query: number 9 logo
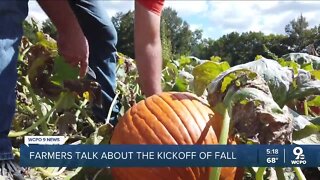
[298,151]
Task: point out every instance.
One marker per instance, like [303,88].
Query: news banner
[48,151]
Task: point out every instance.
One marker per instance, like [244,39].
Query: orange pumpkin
[166,118]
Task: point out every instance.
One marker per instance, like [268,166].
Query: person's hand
[73,46]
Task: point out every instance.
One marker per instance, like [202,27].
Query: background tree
[241,48]
[179,32]
[179,40]
[177,37]
[165,43]
[124,25]
[30,28]
[276,43]
[49,28]
[299,36]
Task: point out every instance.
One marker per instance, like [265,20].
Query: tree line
[178,39]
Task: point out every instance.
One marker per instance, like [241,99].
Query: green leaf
[305,132]
[278,78]
[181,85]
[66,101]
[312,139]
[227,80]
[172,67]
[302,126]
[63,71]
[314,102]
[269,53]
[215,58]
[184,61]
[245,90]
[105,131]
[35,67]
[305,88]
[307,67]
[66,123]
[315,74]
[101,135]
[205,73]
[46,41]
[170,71]
[258,57]
[307,62]
[121,60]
[295,66]
[259,109]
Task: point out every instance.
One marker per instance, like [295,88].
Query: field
[51,100]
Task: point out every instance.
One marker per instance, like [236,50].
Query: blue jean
[12,14]
[102,40]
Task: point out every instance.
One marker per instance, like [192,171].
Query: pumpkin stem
[280,173]
[225,128]
[299,173]
[305,107]
[215,173]
[260,172]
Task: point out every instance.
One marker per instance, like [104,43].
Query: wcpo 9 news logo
[299,156]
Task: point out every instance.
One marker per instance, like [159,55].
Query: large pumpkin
[166,118]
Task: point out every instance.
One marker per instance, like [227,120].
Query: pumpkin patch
[167,118]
